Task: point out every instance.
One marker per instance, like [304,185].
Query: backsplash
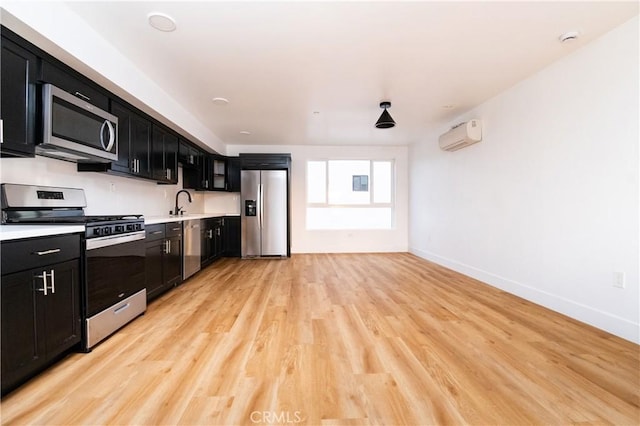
[106,194]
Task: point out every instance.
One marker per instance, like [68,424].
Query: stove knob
[97,231]
[129,227]
[138,226]
[106,230]
[119,228]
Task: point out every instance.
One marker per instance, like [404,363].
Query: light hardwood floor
[340,340]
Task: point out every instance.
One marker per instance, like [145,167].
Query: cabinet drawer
[155,232]
[36,252]
[173,229]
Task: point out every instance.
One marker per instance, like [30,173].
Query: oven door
[114,270]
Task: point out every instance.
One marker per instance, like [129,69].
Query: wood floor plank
[340,339]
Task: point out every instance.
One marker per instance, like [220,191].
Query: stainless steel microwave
[75,130]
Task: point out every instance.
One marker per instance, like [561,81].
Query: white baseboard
[606,321]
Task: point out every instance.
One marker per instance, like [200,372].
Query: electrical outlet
[112,187]
[618,279]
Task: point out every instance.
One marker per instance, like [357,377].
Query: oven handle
[96,243]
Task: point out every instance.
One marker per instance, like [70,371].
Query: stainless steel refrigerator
[264,213]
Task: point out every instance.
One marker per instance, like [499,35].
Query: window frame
[372,183]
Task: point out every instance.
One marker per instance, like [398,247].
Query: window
[350,194]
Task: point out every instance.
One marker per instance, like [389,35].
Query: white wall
[547,205]
[340,241]
[106,194]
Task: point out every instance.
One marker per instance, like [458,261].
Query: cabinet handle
[137,166]
[156,232]
[53,282]
[133,165]
[44,281]
[169,241]
[175,229]
[81,96]
[44,253]
[1,131]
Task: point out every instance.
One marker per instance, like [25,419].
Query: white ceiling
[279,62]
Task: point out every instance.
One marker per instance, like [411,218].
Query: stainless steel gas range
[113,291]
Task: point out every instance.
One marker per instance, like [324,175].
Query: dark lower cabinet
[212,240]
[40,311]
[232,236]
[18,100]
[163,263]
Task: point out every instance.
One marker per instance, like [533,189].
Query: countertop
[14,232]
[152,220]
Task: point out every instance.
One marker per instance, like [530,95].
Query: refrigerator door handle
[261,204]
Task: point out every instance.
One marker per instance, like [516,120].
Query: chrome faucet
[177,209]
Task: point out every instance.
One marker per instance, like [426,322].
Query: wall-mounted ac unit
[464,134]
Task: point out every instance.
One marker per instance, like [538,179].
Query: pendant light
[385,121]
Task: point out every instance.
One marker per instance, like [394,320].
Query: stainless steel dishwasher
[192,248]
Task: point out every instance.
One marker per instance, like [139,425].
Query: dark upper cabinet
[233,174]
[164,155]
[218,173]
[140,145]
[188,155]
[17,100]
[75,83]
[134,142]
[265,161]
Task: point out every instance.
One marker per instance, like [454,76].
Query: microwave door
[74,126]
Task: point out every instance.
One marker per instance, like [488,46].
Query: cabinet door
[21,349]
[207,238]
[233,174]
[232,236]
[164,155]
[60,308]
[18,100]
[153,268]
[141,145]
[219,245]
[219,165]
[173,261]
[124,139]
[171,158]
[206,172]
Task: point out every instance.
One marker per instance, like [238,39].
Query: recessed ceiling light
[245,132]
[161,21]
[448,106]
[316,112]
[220,101]
[568,36]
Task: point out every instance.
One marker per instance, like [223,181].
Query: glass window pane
[341,173]
[382,181]
[316,181]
